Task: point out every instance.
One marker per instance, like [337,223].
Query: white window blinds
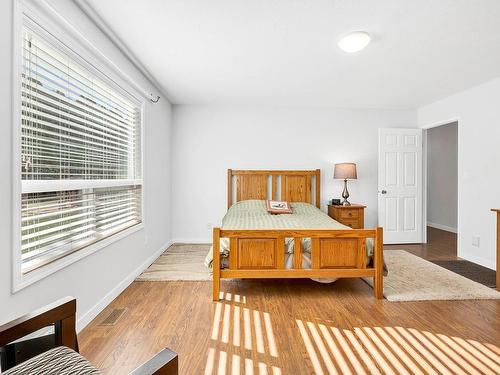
[80,155]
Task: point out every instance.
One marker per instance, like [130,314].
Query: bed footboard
[335,253]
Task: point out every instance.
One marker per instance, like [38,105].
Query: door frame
[425,128]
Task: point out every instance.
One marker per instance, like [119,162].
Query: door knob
[383,192]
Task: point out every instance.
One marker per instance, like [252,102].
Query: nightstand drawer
[353,223]
[349,213]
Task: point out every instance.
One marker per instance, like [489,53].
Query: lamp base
[345,195]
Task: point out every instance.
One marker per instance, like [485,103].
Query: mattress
[252,214]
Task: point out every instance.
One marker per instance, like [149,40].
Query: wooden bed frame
[335,253]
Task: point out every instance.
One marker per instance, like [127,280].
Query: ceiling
[284,52]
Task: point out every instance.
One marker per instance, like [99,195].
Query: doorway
[442,189]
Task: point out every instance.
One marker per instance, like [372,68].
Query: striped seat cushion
[60,360]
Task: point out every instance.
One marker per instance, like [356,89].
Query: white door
[400,185]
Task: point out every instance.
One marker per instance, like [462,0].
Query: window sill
[21,281]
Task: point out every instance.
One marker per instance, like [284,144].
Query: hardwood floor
[441,245]
[295,327]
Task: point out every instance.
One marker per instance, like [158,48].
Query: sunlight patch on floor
[209,367]
[257,327]
[235,365]
[229,297]
[244,343]
[310,348]
[394,350]
[270,335]
[246,330]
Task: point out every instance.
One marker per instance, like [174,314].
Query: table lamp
[345,171]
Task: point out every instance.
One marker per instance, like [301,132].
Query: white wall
[94,279]
[442,177]
[478,113]
[209,139]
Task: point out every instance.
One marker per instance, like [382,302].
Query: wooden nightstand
[352,216]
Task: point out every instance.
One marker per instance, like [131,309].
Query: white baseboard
[442,227]
[87,317]
[478,260]
[193,240]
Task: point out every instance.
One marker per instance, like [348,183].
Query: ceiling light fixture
[354,41]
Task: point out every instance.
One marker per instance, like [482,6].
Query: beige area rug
[179,262]
[412,278]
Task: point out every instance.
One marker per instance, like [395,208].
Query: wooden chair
[62,316]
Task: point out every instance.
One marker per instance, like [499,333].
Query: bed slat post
[309,189]
[274,179]
[378,279]
[318,188]
[280,253]
[229,188]
[315,253]
[297,253]
[216,263]
[233,253]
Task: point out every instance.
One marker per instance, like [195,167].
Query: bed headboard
[294,185]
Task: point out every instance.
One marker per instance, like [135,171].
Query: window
[80,154]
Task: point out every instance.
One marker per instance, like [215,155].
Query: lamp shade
[345,171]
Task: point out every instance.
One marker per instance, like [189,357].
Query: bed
[304,244]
